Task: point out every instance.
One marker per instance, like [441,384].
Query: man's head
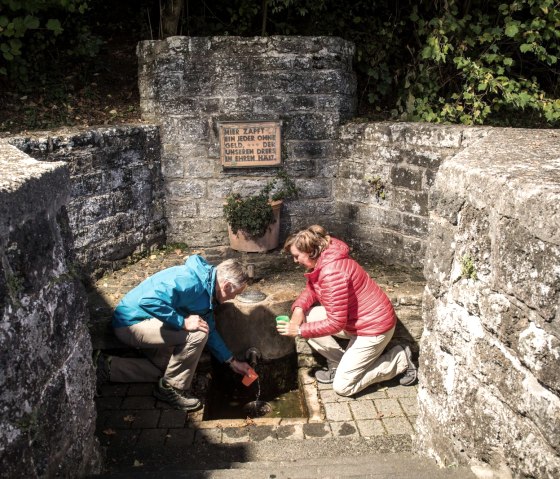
[231,279]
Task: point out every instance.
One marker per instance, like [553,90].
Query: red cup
[250,377]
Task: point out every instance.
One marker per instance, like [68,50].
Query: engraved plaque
[249,143]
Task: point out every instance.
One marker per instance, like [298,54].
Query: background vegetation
[472,62]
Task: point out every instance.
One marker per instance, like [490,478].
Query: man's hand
[239,367]
[195,323]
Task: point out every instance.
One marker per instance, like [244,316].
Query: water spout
[253,355]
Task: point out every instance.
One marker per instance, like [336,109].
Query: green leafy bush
[484,62]
[253,214]
[36,36]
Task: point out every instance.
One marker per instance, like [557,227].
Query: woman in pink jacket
[352,306]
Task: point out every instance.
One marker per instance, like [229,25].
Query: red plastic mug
[250,377]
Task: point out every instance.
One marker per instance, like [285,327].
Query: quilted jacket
[353,301]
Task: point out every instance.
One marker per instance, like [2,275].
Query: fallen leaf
[109,432]
[137,463]
[129,418]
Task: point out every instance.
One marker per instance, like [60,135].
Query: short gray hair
[232,271]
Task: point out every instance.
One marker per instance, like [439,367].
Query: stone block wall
[489,389]
[188,85]
[116,206]
[47,380]
[382,189]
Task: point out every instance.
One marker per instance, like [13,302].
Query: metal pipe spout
[253,356]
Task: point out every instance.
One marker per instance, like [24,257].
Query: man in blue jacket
[170,316]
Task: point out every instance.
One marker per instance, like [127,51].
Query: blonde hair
[233,272]
[312,241]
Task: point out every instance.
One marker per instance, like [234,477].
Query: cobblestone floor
[130,418]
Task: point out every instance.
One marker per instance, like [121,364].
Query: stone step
[372,465]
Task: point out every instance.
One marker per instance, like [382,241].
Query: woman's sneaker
[175,397]
[411,374]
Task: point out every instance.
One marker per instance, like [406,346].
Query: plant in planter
[254,220]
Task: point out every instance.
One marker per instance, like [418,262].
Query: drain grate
[251,296]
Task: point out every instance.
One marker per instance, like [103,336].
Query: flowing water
[238,404]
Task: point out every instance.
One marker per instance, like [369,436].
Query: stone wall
[489,379]
[116,206]
[382,189]
[190,84]
[46,380]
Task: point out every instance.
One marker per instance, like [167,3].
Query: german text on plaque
[251,143]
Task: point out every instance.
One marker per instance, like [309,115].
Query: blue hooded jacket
[173,294]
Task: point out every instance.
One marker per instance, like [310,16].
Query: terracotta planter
[242,242]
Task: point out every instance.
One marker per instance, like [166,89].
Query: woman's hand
[298,316]
[239,367]
[288,329]
[195,323]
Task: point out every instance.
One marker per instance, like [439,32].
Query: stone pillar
[489,390]
[188,85]
[48,415]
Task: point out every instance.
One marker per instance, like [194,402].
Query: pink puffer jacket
[354,302]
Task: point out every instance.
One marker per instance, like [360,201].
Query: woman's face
[302,258]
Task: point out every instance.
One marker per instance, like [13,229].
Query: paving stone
[402,391]
[122,439]
[108,390]
[141,389]
[318,429]
[328,395]
[397,425]
[163,405]
[179,438]
[143,418]
[138,402]
[371,393]
[409,405]
[388,407]
[370,427]
[337,412]
[172,418]
[111,402]
[321,386]
[290,431]
[363,409]
[211,436]
[151,439]
[344,429]
[232,435]
[262,433]
[114,419]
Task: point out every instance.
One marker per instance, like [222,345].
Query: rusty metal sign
[250,143]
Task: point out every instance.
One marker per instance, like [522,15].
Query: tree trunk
[170,14]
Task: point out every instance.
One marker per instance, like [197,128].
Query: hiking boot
[325,376]
[175,397]
[102,365]
[411,374]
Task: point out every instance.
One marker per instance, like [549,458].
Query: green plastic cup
[282,319]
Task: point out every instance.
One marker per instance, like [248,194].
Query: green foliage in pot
[253,214]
